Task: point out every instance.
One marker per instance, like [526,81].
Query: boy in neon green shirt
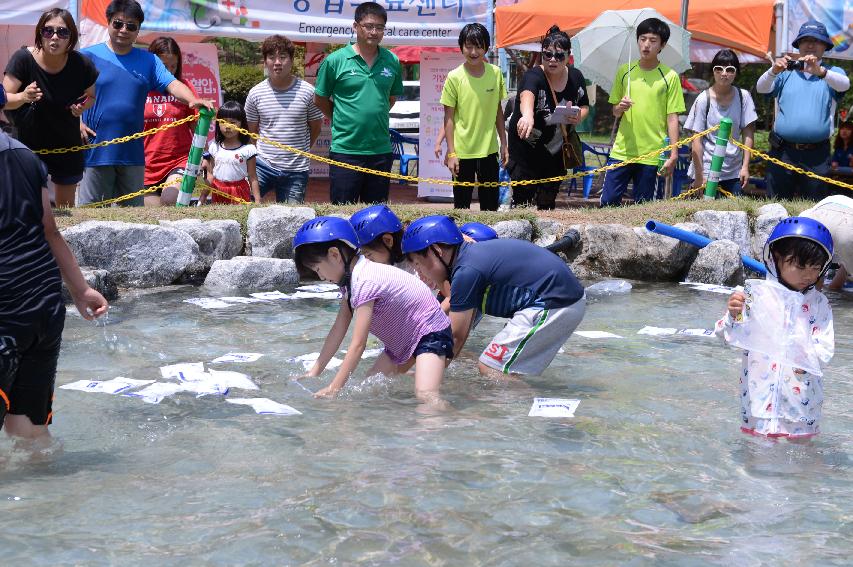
[648,115]
[472,96]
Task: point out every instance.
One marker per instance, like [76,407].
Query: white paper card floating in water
[553,407]
[713,288]
[270,295]
[238,357]
[242,299]
[176,370]
[208,302]
[318,288]
[265,406]
[155,393]
[598,335]
[114,386]
[670,331]
[317,295]
[228,379]
[308,360]
[774,324]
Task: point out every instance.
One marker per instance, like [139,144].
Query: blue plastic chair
[600,155]
[398,150]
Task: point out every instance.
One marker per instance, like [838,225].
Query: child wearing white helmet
[778,397]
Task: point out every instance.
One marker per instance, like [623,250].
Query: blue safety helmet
[478,231]
[2,98]
[325,229]
[799,227]
[373,222]
[435,229]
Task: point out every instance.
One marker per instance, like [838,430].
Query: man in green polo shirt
[356,86]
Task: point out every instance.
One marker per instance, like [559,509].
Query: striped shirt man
[404,308]
[283,116]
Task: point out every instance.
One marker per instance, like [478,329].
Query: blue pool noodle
[699,241]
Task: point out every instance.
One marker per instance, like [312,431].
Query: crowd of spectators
[59,97]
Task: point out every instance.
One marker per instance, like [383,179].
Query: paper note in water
[114,386]
[598,335]
[368,353]
[318,288]
[696,332]
[308,360]
[226,379]
[270,295]
[553,407]
[238,357]
[317,295]
[242,299]
[657,331]
[265,406]
[176,370]
[155,393]
[207,302]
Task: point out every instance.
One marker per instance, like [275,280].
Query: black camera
[797,65]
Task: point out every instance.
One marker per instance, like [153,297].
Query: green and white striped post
[205,117]
[719,155]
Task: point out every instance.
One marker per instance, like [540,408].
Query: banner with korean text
[410,22]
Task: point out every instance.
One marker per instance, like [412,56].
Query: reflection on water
[652,470]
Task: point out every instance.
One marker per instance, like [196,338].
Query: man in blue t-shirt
[509,278]
[807,96]
[33,259]
[126,76]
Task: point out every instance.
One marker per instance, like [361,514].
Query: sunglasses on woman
[129,26]
[47,32]
[730,69]
[555,55]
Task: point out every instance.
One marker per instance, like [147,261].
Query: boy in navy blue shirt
[33,255]
[508,278]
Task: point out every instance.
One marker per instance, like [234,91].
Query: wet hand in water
[327,392]
[91,304]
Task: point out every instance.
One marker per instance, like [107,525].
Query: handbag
[571,146]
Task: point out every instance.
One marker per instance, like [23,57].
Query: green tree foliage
[238,79]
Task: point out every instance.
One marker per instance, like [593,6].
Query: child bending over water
[393,305]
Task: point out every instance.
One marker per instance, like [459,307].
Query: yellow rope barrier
[794,168]
[119,140]
[151,189]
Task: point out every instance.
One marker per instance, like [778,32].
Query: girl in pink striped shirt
[393,305]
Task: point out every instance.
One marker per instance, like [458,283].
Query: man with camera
[807,92]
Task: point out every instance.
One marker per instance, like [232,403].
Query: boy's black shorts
[28,389]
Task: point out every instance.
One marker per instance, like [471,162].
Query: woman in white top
[723,100]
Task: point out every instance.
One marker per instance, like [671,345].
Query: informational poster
[836,15]
[201,68]
[434,69]
[410,22]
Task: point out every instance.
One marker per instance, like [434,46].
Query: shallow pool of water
[652,470]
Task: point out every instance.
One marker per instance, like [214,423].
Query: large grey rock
[773,209]
[613,250]
[718,263]
[251,272]
[271,230]
[136,255]
[99,280]
[764,225]
[216,239]
[520,229]
[549,231]
[728,225]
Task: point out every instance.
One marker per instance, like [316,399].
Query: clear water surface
[652,471]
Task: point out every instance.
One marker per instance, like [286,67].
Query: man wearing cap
[806,96]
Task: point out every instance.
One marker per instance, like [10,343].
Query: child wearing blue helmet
[393,305]
[508,278]
[379,234]
[478,232]
[778,399]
